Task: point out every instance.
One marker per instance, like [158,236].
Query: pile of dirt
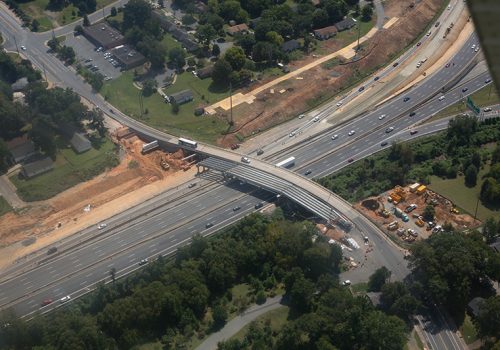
[295,95]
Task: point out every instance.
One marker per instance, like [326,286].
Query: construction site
[144,171]
[405,214]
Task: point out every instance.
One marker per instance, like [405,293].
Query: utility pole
[141,103]
[359,34]
[231,101]
[17,48]
[475,212]
[103,16]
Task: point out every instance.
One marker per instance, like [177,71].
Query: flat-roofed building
[128,57]
[103,35]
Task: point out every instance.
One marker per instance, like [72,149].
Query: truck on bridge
[287,163]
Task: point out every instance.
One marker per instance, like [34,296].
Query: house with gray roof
[290,45]
[80,143]
[345,24]
[20,149]
[37,167]
[20,84]
[473,307]
[181,97]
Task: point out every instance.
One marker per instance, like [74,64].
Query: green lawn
[488,95]
[359,287]
[468,330]
[348,36]
[464,197]
[124,95]
[70,169]
[36,10]
[169,42]
[4,206]
[277,318]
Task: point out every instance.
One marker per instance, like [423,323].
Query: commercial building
[127,57]
[103,35]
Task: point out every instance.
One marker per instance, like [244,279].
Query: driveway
[237,323]
[8,191]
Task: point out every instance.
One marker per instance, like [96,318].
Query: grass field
[360,287]
[121,93]
[169,42]
[468,330]
[70,169]
[36,10]
[4,206]
[487,96]
[464,197]
[277,318]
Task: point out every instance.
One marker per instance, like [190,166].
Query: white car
[346,283]
[302,116]
[429,33]
[477,49]
[65,299]
[352,132]
[473,46]
[334,137]
[315,119]
[143,262]
[292,134]
[23,47]
[441,98]
[339,103]
[101,226]
[381,117]
[389,129]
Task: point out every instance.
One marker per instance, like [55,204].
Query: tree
[149,87]
[35,25]
[86,21]
[161,4]
[397,300]
[4,154]
[495,155]
[215,50]
[366,13]
[488,320]
[429,213]
[53,44]
[378,279]
[264,51]
[177,57]
[67,54]
[320,18]
[491,230]
[136,13]
[219,316]
[78,30]
[260,297]
[188,20]
[246,41]
[274,38]
[113,12]
[175,107]
[471,176]
[205,33]
[380,331]
[221,73]
[235,57]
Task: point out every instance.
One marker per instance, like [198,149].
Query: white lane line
[88,275]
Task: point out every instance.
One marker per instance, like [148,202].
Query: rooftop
[237,29]
[326,31]
[80,143]
[104,34]
[37,167]
[127,56]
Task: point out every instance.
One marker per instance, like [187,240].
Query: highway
[167,228]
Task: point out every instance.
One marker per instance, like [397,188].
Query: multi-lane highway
[172,223]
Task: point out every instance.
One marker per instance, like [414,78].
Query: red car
[235,146]
[46,302]
[351,160]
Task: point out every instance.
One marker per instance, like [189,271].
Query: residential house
[473,307]
[237,29]
[37,167]
[290,45]
[325,33]
[20,148]
[80,143]
[20,84]
[345,24]
[205,72]
[181,97]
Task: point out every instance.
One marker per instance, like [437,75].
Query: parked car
[191,185]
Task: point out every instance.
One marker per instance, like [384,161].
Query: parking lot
[87,55]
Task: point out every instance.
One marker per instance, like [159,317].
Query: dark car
[376,78]
[235,146]
[419,43]
[236,208]
[350,160]
[436,25]
[259,205]
[413,132]
[465,89]
[46,302]
[308,172]
[384,143]
[260,151]
[210,224]
[412,114]
[406,99]
[361,88]
[447,65]
[191,185]
[395,64]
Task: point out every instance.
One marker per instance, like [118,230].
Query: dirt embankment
[137,178]
[293,96]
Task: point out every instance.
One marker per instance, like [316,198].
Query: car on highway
[350,160]
[477,49]
[23,47]
[191,185]
[447,65]
[473,46]
[46,302]
[487,109]
[412,114]
[465,89]
[260,151]
[292,134]
[413,132]
[245,160]
[236,208]
[395,64]
[428,33]
[208,225]
[65,299]
[437,24]
[382,116]
[385,143]
[302,116]
[376,78]
[315,119]
[389,129]
[143,262]
[361,88]
[406,99]
[101,226]
[346,283]
[441,98]
[487,81]
[334,136]
[308,172]
[419,43]
[259,205]
[352,132]
[339,103]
